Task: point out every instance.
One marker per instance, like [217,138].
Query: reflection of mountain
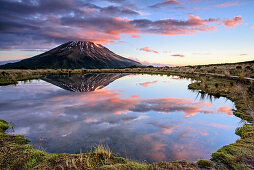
[82,83]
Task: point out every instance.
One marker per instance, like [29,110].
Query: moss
[205,164]
[128,165]
[243,116]
[3,126]
[174,165]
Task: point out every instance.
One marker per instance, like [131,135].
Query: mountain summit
[75,54]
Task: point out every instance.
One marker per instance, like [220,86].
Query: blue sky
[168,32]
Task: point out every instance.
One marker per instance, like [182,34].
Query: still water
[141,117]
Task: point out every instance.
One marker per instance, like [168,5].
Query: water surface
[141,117]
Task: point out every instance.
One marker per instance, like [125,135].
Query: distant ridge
[8,61]
[74,55]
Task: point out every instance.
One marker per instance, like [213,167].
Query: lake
[140,117]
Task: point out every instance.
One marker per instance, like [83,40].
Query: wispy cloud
[178,55]
[147,49]
[226,4]
[233,22]
[166,3]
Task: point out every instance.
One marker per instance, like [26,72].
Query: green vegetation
[15,75]
[205,164]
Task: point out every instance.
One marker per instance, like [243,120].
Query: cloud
[118,10]
[147,49]
[136,36]
[43,24]
[147,63]
[146,84]
[167,26]
[166,3]
[243,54]
[226,4]
[178,55]
[233,22]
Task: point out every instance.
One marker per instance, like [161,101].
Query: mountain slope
[75,54]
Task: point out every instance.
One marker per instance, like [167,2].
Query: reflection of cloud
[168,105]
[73,121]
[91,120]
[165,129]
[225,110]
[220,126]
[22,130]
[146,84]
[187,132]
[158,149]
[203,133]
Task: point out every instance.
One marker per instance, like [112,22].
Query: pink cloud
[158,149]
[226,110]
[220,126]
[146,84]
[204,133]
[111,102]
[226,4]
[147,49]
[136,36]
[233,22]
[166,3]
[178,55]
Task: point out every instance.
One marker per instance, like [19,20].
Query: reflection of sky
[142,117]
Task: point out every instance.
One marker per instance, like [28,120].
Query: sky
[154,32]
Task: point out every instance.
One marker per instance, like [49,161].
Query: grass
[205,164]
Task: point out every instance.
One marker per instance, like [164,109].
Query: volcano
[75,55]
